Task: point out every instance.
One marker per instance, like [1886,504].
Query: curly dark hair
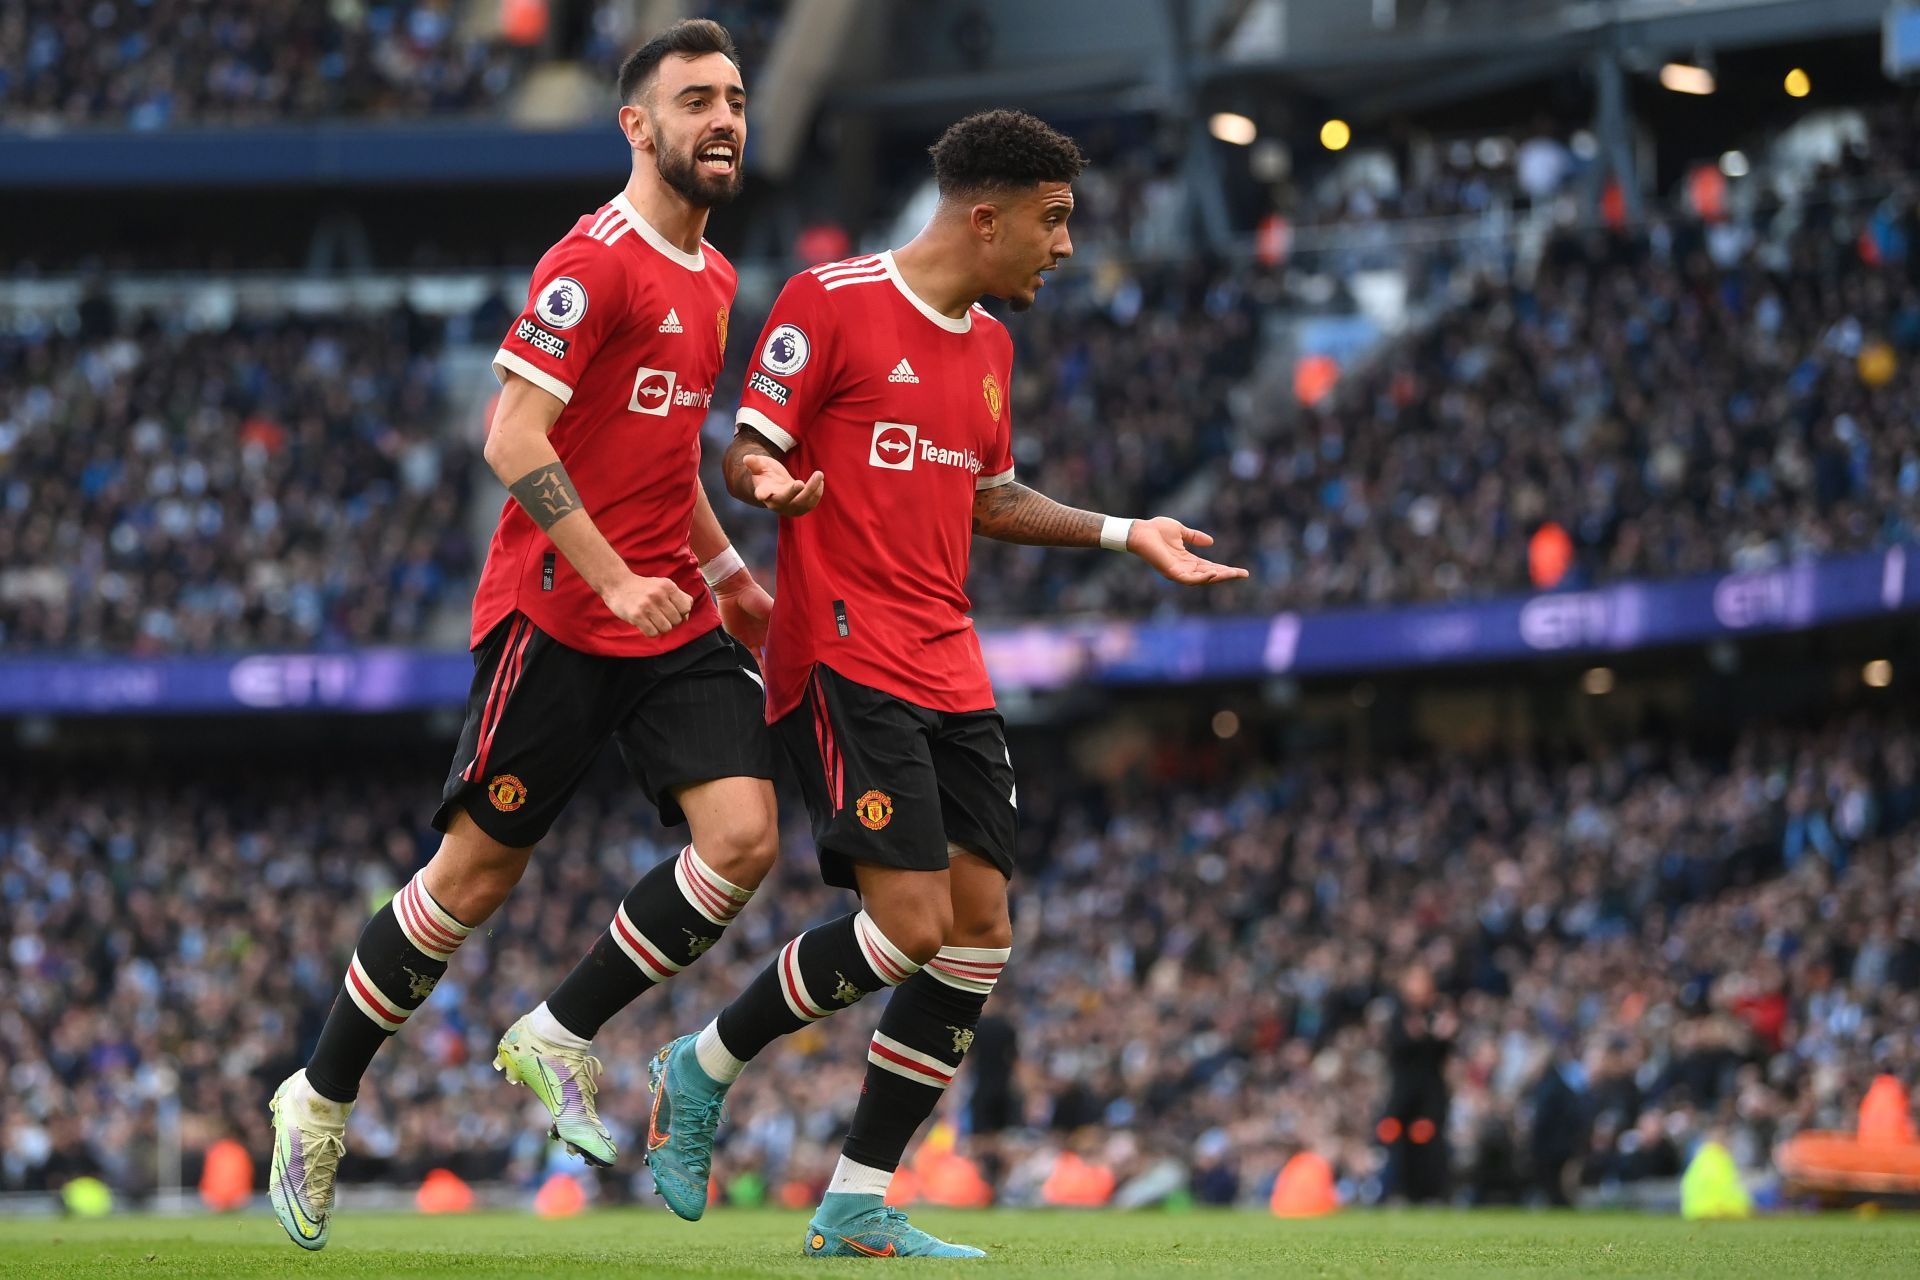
[997,150]
[690,39]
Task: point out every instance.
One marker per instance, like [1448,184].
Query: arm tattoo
[547,493]
[1014,513]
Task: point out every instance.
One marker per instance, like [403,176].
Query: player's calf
[401,955]
[912,1059]
[671,918]
[821,972]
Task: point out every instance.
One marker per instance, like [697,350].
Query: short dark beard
[696,187]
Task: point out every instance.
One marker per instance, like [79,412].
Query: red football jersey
[905,410]
[630,332]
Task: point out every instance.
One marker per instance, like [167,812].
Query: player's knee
[987,929]
[472,875]
[919,929]
[742,851]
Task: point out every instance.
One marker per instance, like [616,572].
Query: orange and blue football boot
[853,1226]
[687,1103]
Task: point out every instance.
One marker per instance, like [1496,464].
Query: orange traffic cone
[1304,1188]
[1077,1183]
[1885,1116]
[560,1197]
[444,1192]
[950,1179]
[227,1180]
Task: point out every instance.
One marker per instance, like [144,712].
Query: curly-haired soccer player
[882,381]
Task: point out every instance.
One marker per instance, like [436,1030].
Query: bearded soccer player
[883,382]
[593,620]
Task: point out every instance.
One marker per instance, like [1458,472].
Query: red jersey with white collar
[629,332]
[906,412]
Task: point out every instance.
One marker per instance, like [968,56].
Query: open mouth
[717,157]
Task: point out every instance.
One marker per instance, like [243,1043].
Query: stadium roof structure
[1344,53]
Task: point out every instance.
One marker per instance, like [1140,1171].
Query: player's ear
[986,221]
[637,124]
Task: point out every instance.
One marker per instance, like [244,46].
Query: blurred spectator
[1419,1039]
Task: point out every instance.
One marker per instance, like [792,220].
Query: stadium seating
[167,65]
[1654,942]
[280,483]
[152,66]
[1672,413]
[1695,397]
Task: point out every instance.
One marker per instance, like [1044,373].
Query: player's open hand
[654,605]
[776,490]
[745,608]
[1163,542]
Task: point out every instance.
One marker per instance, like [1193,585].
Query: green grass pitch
[1477,1244]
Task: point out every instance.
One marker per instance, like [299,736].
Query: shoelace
[585,1069]
[322,1155]
[708,1117]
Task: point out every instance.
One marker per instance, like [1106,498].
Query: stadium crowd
[1689,399]
[242,62]
[1696,397]
[280,482]
[1214,959]
[158,64]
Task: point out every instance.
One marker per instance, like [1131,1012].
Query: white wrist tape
[722,567]
[1114,532]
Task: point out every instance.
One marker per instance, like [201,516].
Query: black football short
[540,712]
[893,784]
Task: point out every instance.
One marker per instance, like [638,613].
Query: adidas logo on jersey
[672,323]
[903,372]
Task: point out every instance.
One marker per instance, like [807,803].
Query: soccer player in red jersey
[593,621]
[883,382]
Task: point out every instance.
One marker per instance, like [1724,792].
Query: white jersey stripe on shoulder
[613,229]
[601,219]
[850,264]
[858,273]
[847,280]
[606,228]
[858,260]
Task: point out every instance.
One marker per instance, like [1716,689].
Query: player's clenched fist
[654,605]
[745,608]
[775,489]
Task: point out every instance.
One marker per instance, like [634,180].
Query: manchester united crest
[990,388]
[875,810]
[507,792]
[720,323]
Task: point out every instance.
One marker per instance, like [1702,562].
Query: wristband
[722,567]
[1114,533]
